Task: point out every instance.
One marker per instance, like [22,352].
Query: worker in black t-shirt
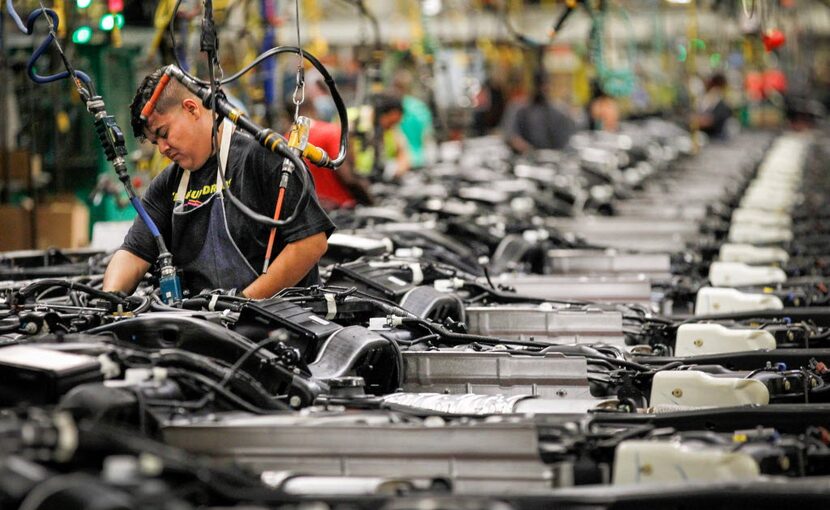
[714,114]
[212,241]
[536,124]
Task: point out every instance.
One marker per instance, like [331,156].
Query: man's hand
[290,266]
[356,184]
[124,272]
[519,144]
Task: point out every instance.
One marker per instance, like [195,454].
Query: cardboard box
[62,223]
[15,228]
[20,163]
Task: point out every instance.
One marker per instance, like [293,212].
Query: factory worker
[212,241]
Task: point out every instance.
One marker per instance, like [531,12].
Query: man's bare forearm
[124,272]
[290,266]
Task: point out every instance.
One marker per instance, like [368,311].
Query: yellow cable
[161,18]
[60,8]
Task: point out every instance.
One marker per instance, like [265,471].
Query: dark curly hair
[717,80]
[173,94]
[385,103]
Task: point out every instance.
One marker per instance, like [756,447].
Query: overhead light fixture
[431,7]
[679,2]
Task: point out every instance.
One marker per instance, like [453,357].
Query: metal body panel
[662,209]
[623,226]
[630,233]
[488,405]
[496,373]
[592,262]
[545,323]
[607,289]
[481,457]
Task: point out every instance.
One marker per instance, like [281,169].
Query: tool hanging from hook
[109,134]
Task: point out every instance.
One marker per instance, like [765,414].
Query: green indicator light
[107,22]
[698,44]
[83,4]
[681,53]
[714,59]
[82,35]
[119,20]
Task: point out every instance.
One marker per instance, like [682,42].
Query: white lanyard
[228,128]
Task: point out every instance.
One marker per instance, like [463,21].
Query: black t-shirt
[252,176]
[721,113]
[544,126]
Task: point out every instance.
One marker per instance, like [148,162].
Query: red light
[115,5]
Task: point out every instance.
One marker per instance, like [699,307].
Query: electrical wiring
[75,299]
[248,386]
[219,378]
[45,292]
[461,338]
[209,92]
[49,283]
[220,387]
[144,304]
[201,303]
[518,298]
[327,78]
[39,495]
[339,292]
[600,380]
[216,388]
[420,340]
[157,305]
[342,113]
[241,384]
[373,20]
[399,363]
[443,333]
[616,362]
[212,100]
[227,482]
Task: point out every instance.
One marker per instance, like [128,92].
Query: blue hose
[16,18]
[28,29]
[145,217]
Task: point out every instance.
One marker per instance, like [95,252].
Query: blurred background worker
[460,71]
[335,189]
[713,113]
[378,147]
[537,124]
[318,95]
[416,122]
[603,111]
